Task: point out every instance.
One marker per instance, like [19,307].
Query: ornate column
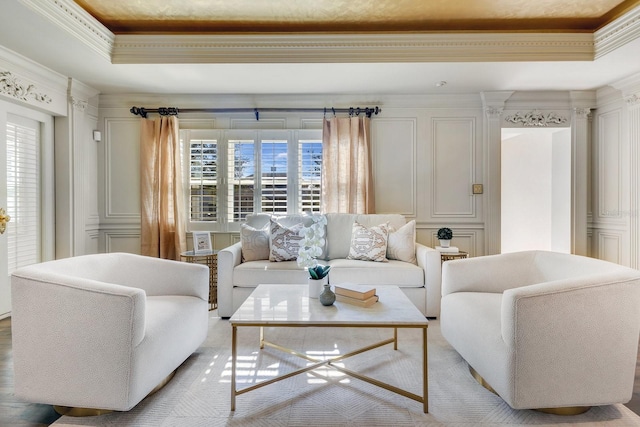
[579,169]
[73,163]
[493,104]
[633,106]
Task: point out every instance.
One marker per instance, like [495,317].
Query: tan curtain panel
[161,195]
[347,181]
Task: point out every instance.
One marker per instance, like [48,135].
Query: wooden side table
[448,256]
[210,259]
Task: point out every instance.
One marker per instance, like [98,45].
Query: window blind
[23,192]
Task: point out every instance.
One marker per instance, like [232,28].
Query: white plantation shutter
[23,192]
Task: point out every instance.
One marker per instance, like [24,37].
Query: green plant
[445,234]
[319,271]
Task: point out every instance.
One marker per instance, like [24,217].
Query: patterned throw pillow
[255,243]
[402,243]
[369,244]
[285,242]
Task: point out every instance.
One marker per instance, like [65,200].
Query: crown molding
[77,22]
[319,48]
[618,33]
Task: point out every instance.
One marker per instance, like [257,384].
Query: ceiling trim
[348,47]
[617,33]
[318,48]
[77,22]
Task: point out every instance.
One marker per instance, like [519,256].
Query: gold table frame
[236,324]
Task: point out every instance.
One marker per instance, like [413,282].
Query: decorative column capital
[582,113]
[493,112]
[79,104]
[633,99]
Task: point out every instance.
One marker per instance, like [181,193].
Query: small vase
[327,297]
[445,243]
[315,286]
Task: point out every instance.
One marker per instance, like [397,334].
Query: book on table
[360,292]
[448,250]
[356,301]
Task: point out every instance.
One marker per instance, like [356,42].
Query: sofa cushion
[392,272]
[369,243]
[284,242]
[250,274]
[339,227]
[402,243]
[255,243]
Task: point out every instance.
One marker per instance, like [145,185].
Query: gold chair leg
[90,412]
[567,410]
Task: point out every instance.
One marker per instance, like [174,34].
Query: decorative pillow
[255,243]
[369,244]
[284,242]
[402,243]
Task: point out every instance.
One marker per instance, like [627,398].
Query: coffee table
[290,306]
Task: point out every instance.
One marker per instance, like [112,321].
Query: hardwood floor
[16,413]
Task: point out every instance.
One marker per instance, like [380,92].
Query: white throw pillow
[284,242]
[402,243]
[255,243]
[369,243]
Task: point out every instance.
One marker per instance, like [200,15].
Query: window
[204,179]
[237,172]
[23,192]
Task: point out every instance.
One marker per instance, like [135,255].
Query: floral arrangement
[445,234]
[312,242]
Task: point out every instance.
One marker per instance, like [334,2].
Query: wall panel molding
[453,167]
[395,138]
[122,241]
[609,168]
[121,159]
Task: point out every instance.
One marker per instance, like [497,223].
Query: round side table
[444,256]
[210,259]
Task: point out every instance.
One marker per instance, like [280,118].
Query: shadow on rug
[200,393]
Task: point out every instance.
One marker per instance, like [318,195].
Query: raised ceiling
[286,16]
[356,47]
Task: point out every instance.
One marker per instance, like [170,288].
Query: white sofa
[102,331]
[419,281]
[545,329]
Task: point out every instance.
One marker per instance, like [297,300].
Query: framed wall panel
[454,165]
[394,165]
[122,170]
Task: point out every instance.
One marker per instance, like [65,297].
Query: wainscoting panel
[609,246]
[121,170]
[609,159]
[454,167]
[122,241]
[394,165]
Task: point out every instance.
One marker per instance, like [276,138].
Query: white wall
[536,189]
[427,153]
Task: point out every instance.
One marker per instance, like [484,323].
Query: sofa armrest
[581,330]
[164,277]
[228,259]
[91,327]
[429,260]
[491,273]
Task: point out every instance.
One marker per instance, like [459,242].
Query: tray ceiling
[286,16]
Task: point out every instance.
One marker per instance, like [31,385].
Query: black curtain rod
[173,111]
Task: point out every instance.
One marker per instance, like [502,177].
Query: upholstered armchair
[543,329]
[102,331]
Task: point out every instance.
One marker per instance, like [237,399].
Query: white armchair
[101,331]
[544,329]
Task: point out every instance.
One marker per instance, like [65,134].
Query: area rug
[200,393]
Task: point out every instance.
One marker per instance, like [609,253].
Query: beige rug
[199,394]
